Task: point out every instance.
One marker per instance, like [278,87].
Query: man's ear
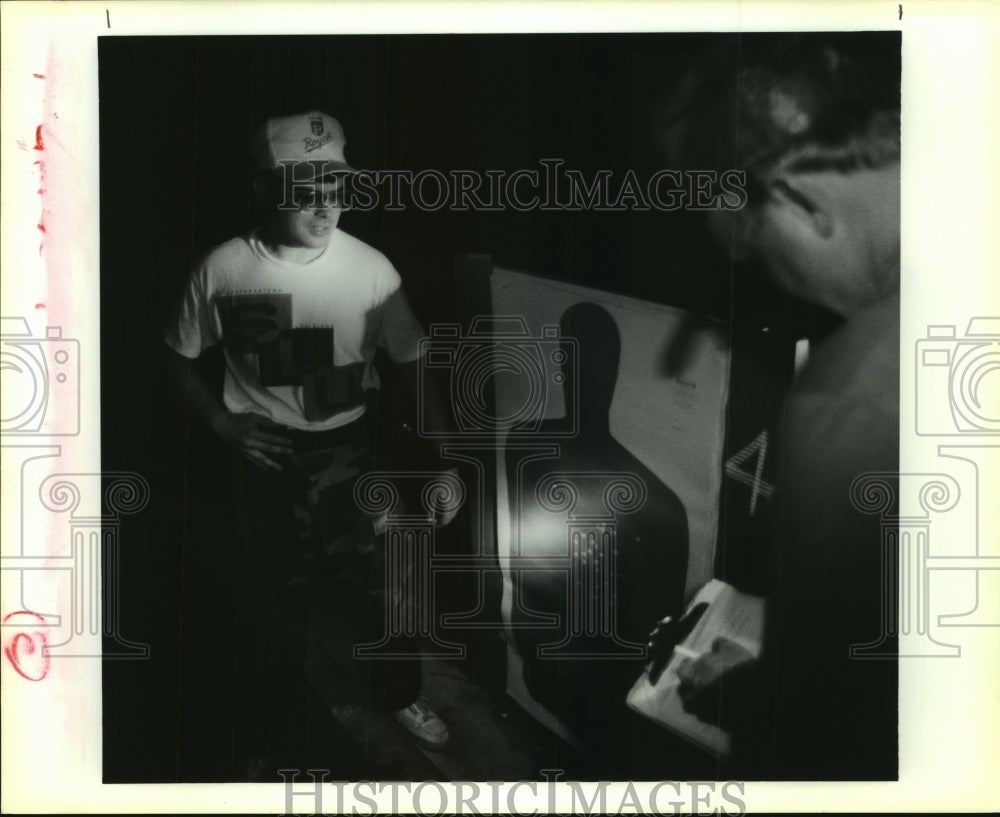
[802,203]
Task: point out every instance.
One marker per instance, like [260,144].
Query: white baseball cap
[313,141]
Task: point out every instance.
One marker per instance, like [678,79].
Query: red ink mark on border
[23,644]
[39,306]
[40,146]
[39,76]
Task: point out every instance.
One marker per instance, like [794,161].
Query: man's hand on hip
[259,439]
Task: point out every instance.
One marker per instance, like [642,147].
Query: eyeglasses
[315,198]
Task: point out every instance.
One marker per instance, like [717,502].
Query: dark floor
[159,728]
[489,740]
[493,738]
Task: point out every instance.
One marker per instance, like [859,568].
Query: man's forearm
[431,412]
[432,418]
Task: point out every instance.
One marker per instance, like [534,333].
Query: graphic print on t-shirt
[260,324]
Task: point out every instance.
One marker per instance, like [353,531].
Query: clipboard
[731,614]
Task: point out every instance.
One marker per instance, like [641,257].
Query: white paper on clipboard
[732,614]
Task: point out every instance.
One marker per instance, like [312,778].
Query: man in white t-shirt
[298,308]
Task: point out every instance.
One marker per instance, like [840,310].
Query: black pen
[671,634]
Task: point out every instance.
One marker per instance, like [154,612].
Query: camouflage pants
[315,576]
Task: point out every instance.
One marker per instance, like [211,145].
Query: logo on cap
[319,138]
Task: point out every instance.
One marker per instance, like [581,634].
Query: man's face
[798,258]
[310,223]
[828,238]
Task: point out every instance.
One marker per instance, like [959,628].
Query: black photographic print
[390,411]
[552,211]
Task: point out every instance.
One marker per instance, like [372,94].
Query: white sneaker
[423,724]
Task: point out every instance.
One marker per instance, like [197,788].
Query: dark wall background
[176,114]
